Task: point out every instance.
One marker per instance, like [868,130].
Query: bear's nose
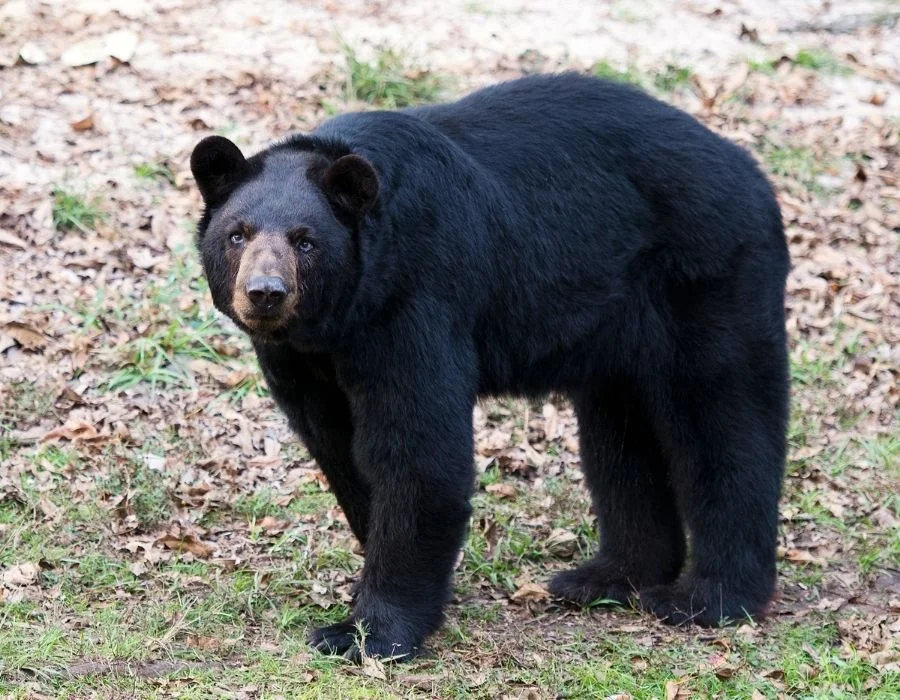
[266,292]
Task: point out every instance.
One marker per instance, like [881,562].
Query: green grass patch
[155,171]
[766,66]
[821,60]
[143,489]
[672,78]
[174,336]
[605,70]
[258,505]
[388,82]
[884,452]
[798,163]
[799,167]
[161,358]
[72,211]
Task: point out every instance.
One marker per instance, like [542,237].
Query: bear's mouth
[263,325]
[259,320]
[263,332]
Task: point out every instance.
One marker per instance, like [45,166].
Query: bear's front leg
[413,440]
[305,387]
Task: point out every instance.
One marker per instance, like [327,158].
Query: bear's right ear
[218,166]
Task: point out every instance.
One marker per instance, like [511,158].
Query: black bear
[550,234]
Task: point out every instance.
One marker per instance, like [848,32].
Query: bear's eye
[236,238]
[305,245]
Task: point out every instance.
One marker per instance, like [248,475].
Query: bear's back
[549,207]
[548,134]
[549,146]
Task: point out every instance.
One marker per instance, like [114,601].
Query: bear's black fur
[550,234]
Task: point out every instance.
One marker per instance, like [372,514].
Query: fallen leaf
[202,642]
[27,336]
[551,416]
[274,526]
[530,592]
[143,257]
[138,568]
[888,660]
[804,556]
[373,668]
[504,489]
[831,604]
[74,429]
[477,679]
[674,690]
[20,575]
[186,543]
[154,462]
[51,511]
[561,543]
[496,441]
[84,53]
[32,54]
[84,124]
[7,238]
[120,45]
[725,671]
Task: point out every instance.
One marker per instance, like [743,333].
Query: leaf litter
[186,456]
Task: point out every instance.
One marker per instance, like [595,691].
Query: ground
[161,532]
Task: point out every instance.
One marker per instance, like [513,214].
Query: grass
[24,398]
[258,505]
[142,490]
[884,452]
[630,76]
[72,211]
[388,82]
[803,660]
[798,165]
[155,171]
[812,368]
[236,622]
[765,66]
[821,60]
[673,78]
[178,334]
[88,517]
[161,358]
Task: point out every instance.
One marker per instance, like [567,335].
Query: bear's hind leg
[642,539]
[728,448]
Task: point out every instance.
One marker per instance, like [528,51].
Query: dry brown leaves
[89,95]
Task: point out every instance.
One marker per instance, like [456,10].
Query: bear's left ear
[218,166]
[351,184]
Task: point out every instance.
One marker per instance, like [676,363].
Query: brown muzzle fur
[268,255]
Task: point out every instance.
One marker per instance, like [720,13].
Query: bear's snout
[266,291]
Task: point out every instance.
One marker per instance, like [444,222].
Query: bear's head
[279,234]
